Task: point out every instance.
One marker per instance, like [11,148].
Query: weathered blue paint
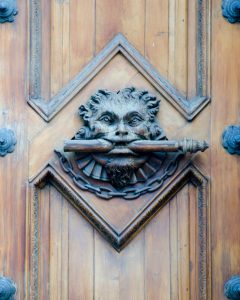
[8,10]
[7,141]
[232,288]
[7,288]
[231,139]
[231,10]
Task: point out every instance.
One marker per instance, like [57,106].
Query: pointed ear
[156,132]
[153,107]
[152,104]
[83,133]
[84,112]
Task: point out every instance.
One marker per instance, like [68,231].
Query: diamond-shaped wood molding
[119,239]
[189,108]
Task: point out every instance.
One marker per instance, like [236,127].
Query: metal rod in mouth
[98,145]
[185,145]
[101,145]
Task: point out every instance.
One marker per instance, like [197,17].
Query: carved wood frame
[189,108]
[189,174]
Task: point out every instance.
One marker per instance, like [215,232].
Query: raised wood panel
[63,43]
[225,192]
[126,16]
[169,256]
[170,41]
[118,214]
[67,122]
[65,250]
[167,41]
[157,37]
[160,41]
[13,174]
[170,45]
[75,262]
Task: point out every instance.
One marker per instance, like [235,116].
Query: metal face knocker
[8,10]
[121,150]
[7,141]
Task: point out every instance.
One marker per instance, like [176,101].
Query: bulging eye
[135,121]
[106,119]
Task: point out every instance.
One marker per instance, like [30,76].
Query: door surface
[59,240]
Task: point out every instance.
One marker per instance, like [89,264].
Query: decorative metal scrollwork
[232,288]
[231,10]
[8,10]
[121,151]
[7,288]
[7,141]
[231,139]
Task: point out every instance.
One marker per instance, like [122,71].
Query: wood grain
[225,195]
[44,253]
[183,243]
[163,260]
[63,50]
[177,69]
[192,48]
[55,245]
[139,257]
[125,16]
[56,26]
[157,257]
[13,174]
[81,257]
[173,220]
[81,34]
[46,50]
[107,270]
[157,34]
[193,242]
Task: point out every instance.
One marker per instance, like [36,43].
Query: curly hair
[127,94]
[87,111]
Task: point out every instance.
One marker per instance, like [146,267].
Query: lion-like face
[121,118]
[121,122]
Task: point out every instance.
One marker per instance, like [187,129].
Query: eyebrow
[111,113]
[131,113]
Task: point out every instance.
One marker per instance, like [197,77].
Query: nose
[121,131]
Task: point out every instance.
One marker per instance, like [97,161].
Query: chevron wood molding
[189,108]
[118,240]
[188,174]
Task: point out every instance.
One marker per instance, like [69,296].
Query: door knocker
[121,150]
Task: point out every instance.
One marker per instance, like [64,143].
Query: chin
[120,173]
[123,162]
[129,160]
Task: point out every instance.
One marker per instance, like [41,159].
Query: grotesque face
[120,118]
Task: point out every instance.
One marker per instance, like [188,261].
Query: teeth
[120,145]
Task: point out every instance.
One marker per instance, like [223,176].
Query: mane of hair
[151,101]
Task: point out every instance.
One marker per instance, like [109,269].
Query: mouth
[121,148]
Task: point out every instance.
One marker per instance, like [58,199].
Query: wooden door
[60,241]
